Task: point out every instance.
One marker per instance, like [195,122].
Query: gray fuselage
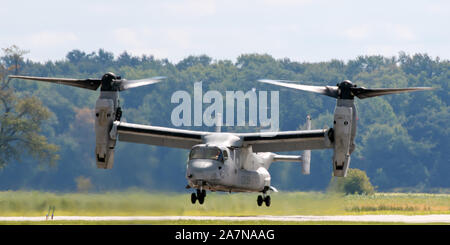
[237,170]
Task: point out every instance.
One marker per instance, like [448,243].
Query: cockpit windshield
[206,152]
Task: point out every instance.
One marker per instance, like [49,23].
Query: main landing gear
[200,196]
[264,198]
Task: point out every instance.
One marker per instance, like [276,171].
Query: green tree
[76,56]
[84,184]
[192,61]
[20,122]
[356,182]
[13,58]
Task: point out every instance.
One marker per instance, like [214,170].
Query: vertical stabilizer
[307,153]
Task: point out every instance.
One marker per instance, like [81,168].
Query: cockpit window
[202,152]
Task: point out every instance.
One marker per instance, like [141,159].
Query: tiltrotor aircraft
[230,162]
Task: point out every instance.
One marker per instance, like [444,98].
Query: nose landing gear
[200,196]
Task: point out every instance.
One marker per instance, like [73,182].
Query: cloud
[400,32]
[440,8]
[51,38]
[385,32]
[105,9]
[286,3]
[357,32]
[154,41]
[394,49]
[196,8]
[386,50]
[179,36]
[127,37]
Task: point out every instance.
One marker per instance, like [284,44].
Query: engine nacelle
[306,157]
[105,113]
[343,116]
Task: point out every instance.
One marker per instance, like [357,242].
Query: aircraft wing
[153,135]
[288,140]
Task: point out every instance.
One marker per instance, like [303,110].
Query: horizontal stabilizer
[287,158]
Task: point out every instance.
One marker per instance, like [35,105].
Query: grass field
[209,222]
[34,203]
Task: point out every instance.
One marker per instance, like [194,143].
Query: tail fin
[305,158]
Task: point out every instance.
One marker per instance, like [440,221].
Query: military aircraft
[221,161]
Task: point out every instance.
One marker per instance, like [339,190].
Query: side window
[225,155]
[231,151]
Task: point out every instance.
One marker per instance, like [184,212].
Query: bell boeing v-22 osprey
[230,162]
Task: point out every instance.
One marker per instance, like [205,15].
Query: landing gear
[193,198]
[263,198]
[200,196]
[267,201]
[260,200]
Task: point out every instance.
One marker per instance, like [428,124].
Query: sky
[301,30]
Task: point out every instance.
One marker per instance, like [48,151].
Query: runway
[438,218]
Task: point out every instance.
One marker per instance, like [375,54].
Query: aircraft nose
[202,169]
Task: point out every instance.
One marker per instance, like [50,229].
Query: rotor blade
[126,84]
[331,91]
[91,84]
[363,93]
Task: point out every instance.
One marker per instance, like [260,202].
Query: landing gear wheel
[259,200]
[267,201]
[194,198]
[201,199]
[201,196]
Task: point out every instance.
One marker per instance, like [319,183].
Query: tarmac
[436,218]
